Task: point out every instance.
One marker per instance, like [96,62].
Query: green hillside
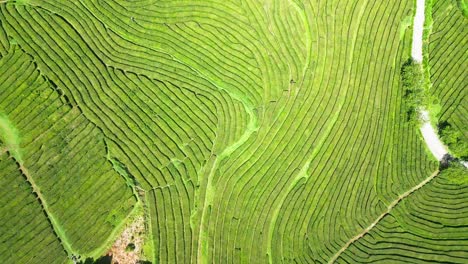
[248,131]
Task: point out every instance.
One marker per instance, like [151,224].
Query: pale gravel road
[418,29]
[435,145]
[429,134]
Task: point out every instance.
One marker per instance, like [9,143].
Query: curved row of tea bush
[25,232]
[161,132]
[428,226]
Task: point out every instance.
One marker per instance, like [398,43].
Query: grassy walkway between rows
[9,136]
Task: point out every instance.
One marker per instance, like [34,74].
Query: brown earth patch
[128,248]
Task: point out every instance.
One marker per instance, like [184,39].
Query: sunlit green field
[243,131]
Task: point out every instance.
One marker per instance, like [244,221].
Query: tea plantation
[243,131]
[447,63]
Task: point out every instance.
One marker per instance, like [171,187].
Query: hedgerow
[414,91]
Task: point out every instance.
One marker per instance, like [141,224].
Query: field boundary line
[11,138]
[54,223]
[386,212]
[252,126]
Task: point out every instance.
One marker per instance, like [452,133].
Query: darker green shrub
[130,247]
[456,173]
[102,260]
[453,138]
[413,90]
[463,6]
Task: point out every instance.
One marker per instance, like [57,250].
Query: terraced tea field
[447,63]
[241,131]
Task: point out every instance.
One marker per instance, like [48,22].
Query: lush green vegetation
[250,131]
[455,139]
[414,91]
[463,5]
[447,63]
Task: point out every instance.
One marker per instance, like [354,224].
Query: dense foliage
[414,92]
[454,139]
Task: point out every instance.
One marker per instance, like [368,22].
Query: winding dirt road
[428,132]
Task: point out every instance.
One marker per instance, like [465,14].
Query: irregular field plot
[62,155]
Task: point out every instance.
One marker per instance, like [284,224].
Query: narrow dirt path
[435,145]
[11,139]
[389,208]
[429,133]
[418,30]
[58,230]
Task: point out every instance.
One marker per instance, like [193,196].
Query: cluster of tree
[414,93]
[453,138]
[102,260]
[455,172]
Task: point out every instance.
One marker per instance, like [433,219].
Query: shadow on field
[101,260]
[107,260]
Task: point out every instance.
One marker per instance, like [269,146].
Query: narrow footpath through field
[438,149]
[11,139]
[429,133]
[389,208]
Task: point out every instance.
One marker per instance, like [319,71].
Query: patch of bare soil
[128,248]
